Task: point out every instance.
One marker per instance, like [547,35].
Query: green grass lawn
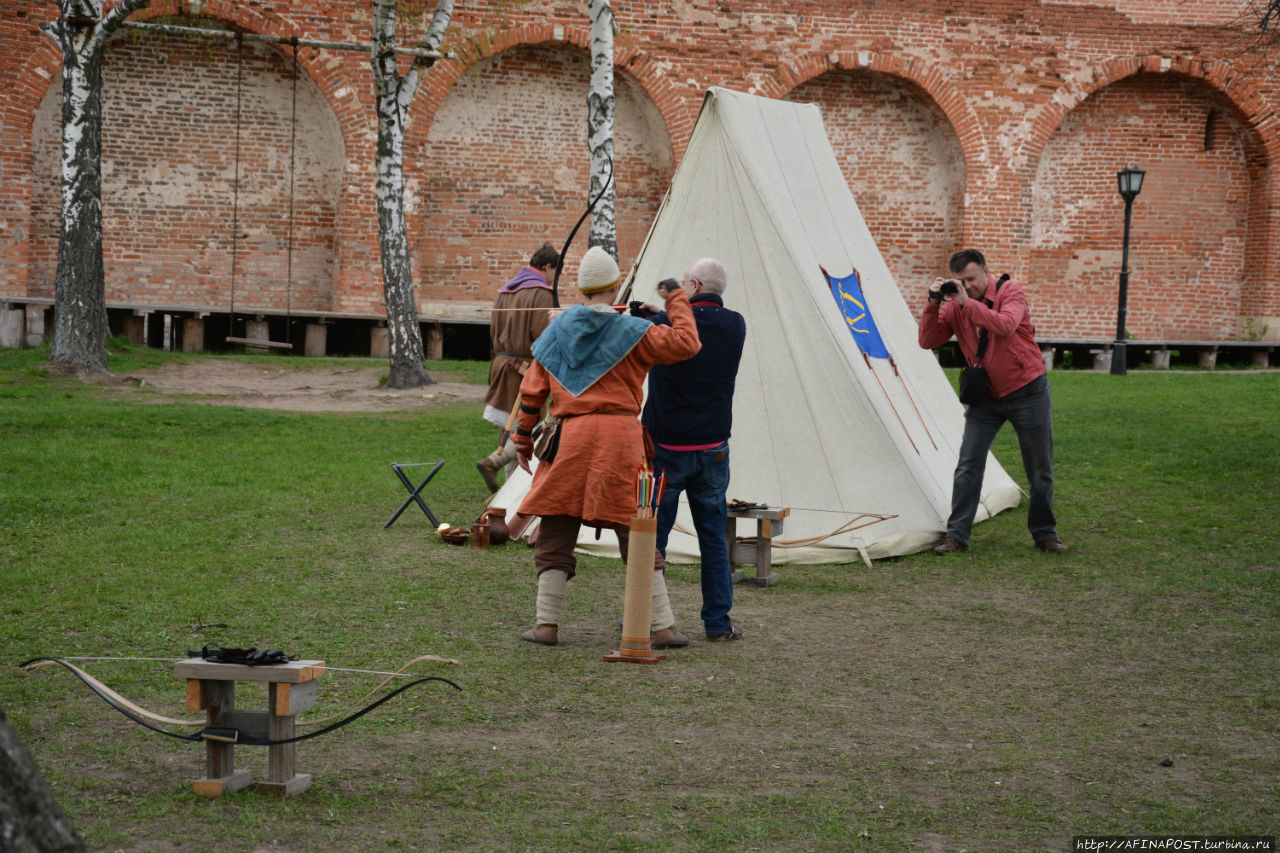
[999,699]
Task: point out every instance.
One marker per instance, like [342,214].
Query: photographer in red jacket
[1017,391]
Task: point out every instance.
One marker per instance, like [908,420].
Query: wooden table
[768,524]
[291,689]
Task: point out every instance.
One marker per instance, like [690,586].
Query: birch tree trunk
[30,819]
[600,110]
[394,94]
[79,304]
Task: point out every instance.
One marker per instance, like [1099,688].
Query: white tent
[816,426]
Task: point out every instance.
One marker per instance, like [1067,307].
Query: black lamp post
[1129,182]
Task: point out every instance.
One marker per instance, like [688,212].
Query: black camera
[949,288]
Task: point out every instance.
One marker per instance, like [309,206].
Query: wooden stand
[637,600]
[768,525]
[291,690]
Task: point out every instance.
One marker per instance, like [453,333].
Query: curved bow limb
[154,722]
[555,282]
[134,712]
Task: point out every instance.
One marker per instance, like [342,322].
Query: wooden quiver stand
[637,605]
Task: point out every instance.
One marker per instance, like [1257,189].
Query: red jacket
[1012,358]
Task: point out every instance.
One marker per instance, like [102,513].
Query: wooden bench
[291,689]
[768,524]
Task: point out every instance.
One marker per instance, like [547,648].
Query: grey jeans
[1030,411]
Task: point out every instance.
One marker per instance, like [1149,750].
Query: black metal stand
[415,492]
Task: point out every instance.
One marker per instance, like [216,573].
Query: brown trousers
[558,536]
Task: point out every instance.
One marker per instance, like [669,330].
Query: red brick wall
[1021,110]
[904,164]
[170,195]
[499,173]
[1189,224]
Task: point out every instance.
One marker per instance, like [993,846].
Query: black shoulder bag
[973,379]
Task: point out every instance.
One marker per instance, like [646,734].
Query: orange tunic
[593,476]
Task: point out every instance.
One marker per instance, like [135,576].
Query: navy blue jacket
[691,402]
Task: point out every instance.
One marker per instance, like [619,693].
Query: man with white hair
[591,362]
[689,414]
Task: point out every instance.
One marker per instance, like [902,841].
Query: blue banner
[853,305]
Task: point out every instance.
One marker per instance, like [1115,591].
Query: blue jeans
[704,476]
[1030,411]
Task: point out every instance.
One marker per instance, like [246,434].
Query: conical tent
[817,426]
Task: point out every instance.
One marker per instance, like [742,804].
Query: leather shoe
[1052,546]
[543,635]
[489,472]
[948,545]
[669,638]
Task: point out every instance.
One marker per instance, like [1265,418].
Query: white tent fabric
[816,427]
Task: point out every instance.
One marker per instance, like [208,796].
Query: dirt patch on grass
[327,388]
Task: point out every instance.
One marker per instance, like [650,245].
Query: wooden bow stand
[291,689]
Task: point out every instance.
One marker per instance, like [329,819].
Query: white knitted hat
[597,272]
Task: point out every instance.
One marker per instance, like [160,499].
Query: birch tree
[30,818]
[79,298]
[394,93]
[600,110]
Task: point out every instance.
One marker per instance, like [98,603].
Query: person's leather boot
[1052,546]
[543,635]
[668,638]
[489,472]
[948,546]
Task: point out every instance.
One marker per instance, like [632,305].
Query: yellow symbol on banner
[853,321]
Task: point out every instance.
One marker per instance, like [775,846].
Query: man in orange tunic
[592,362]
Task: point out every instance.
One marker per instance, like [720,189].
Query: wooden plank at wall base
[135,329]
[13,328]
[435,341]
[192,334]
[379,342]
[35,325]
[316,340]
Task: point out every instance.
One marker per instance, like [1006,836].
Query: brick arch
[481,221]
[964,121]
[327,74]
[20,108]
[637,64]
[1228,255]
[1258,113]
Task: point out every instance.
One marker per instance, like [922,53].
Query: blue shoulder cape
[582,344]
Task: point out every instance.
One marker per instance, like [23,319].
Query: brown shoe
[948,545]
[543,635]
[489,472]
[1052,546]
[668,638]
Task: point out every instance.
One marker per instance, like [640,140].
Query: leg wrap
[551,587]
[661,616]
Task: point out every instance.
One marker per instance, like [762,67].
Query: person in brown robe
[591,362]
[520,315]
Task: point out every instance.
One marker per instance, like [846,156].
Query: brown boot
[669,638]
[489,472]
[543,635]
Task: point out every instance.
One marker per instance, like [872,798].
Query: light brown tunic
[513,332]
[594,472]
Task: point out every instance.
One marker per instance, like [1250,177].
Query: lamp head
[1129,182]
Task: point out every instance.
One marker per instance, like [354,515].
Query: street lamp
[1129,182]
